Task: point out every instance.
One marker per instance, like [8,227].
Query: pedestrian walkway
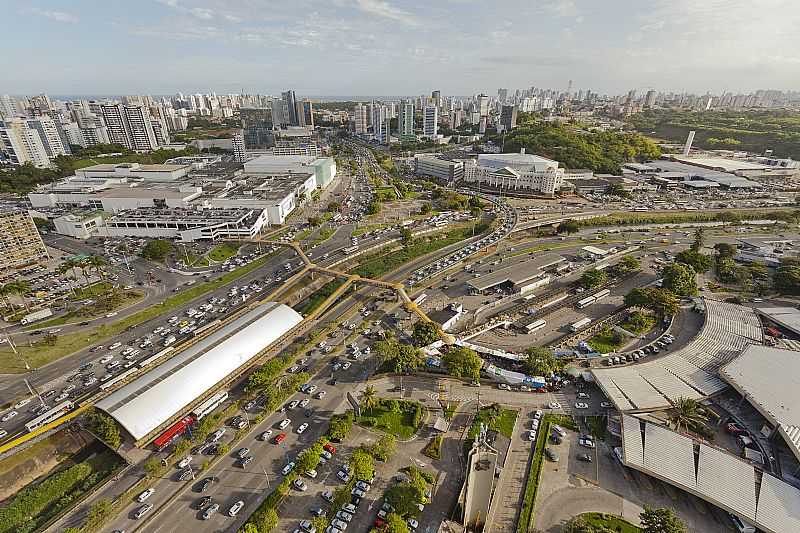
[510,488]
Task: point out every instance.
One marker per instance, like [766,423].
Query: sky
[397,47]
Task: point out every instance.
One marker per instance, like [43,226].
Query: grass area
[450,410]
[434,448]
[375,266]
[607,341]
[33,506]
[527,512]
[67,344]
[638,327]
[308,305]
[111,302]
[385,194]
[610,522]
[496,418]
[401,418]
[95,289]
[223,251]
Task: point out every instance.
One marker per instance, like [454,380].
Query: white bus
[113,381]
[586,302]
[421,298]
[155,357]
[209,405]
[535,326]
[349,250]
[53,414]
[602,294]
[580,324]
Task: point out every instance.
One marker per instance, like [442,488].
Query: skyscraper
[436,98]
[52,135]
[308,113]
[290,105]
[483,105]
[142,136]
[360,119]
[257,127]
[20,242]
[22,144]
[502,95]
[405,121]
[650,99]
[508,117]
[380,123]
[430,121]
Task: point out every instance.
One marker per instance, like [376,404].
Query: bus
[602,294]
[421,298]
[535,326]
[580,324]
[173,432]
[211,325]
[209,405]
[350,249]
[337,217]
[155,357]
[52,414]
[586,302]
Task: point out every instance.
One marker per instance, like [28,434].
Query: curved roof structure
[153,399]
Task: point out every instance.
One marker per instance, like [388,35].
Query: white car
[532,435]
[105,359]
[265,435]
[346,365]
[146,494]
[22,403]
[321,394]
[581,405]
[183,463]
[311,389]
[554,405]
[115,346]
[9,415]
[284,423]
[287,469]
[302,427]
[537,415]
[235,508]
[304,402]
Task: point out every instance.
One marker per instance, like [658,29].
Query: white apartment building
[515,172]
[22,144]
[405,121]
[380,123]
[430,122]
[360,118]
[130,126]
[50,135]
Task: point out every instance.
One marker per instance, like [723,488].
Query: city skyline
[374,47]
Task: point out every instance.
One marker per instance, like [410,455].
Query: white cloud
[202,13]
[562,8]
[58,16]
[383,9]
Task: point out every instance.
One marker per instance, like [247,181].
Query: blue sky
[397,47]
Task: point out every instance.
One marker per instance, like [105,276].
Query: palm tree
[62,269]
[21,288]
[97,262]
[687,413]
[369,397]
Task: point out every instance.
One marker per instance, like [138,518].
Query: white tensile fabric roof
[153,399]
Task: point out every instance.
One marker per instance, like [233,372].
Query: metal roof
[787,317]
[518,273]
[153,399]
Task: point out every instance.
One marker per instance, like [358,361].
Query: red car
[735,429]
[329,447]
[279,438]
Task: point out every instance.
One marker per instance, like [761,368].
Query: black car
[355,500]
[203,485]
[212,450]
[244,461]
[204,502]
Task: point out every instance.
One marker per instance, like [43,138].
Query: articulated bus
[53,414]
[209,405]
[535,326]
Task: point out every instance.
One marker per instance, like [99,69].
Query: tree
[661,301]
[406,237]
[568,227]
[629,263]
[314,221]
[98,513]
[787,279]
[374,207]
[309,458]
[362,465]
[661,521]
[540,361]
[156,250]
[334,206]
[593,278]
[384,447]
[723,249]
[463,363]
[616,189]
[425,333]
[679,279]
[697,244]
[97,262]
[105,428]
[369,397]
[405,497]
[475,202]
[699,262]
[153,467]
[687,413]
[398,357]
[395,524]
[22,289]
[340,425]
[578,524]
[425,208]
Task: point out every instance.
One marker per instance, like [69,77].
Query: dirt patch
[39,459]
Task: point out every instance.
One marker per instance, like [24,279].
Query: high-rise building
[20,242]
[9,107]
[459,116]
[483,105]
[22,144]
[436,98]
[430,121]
[290,105]
[239,152]
[360,119]
[650,98]
[257,127]
[405,121]
[114,117]
[508,117]
[142,136]
[502,95]
[308,113]
[52,135]
[380,123]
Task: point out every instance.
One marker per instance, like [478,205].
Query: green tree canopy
[724,249]
[384,447]
[699,262]
[361,464]
[661,301]
[156,250]
[540,361]
[406,237]
[661,521]
[425,333]
[680,279]
[629,263]
[787,279]
[463,363]
[395,524]
[593,278]
[398,357]
[568,227]
[340,425]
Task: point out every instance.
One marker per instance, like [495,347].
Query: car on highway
[143,510]
[302,427]
[235,508]
[210,510]
[3,433]
[22,403]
